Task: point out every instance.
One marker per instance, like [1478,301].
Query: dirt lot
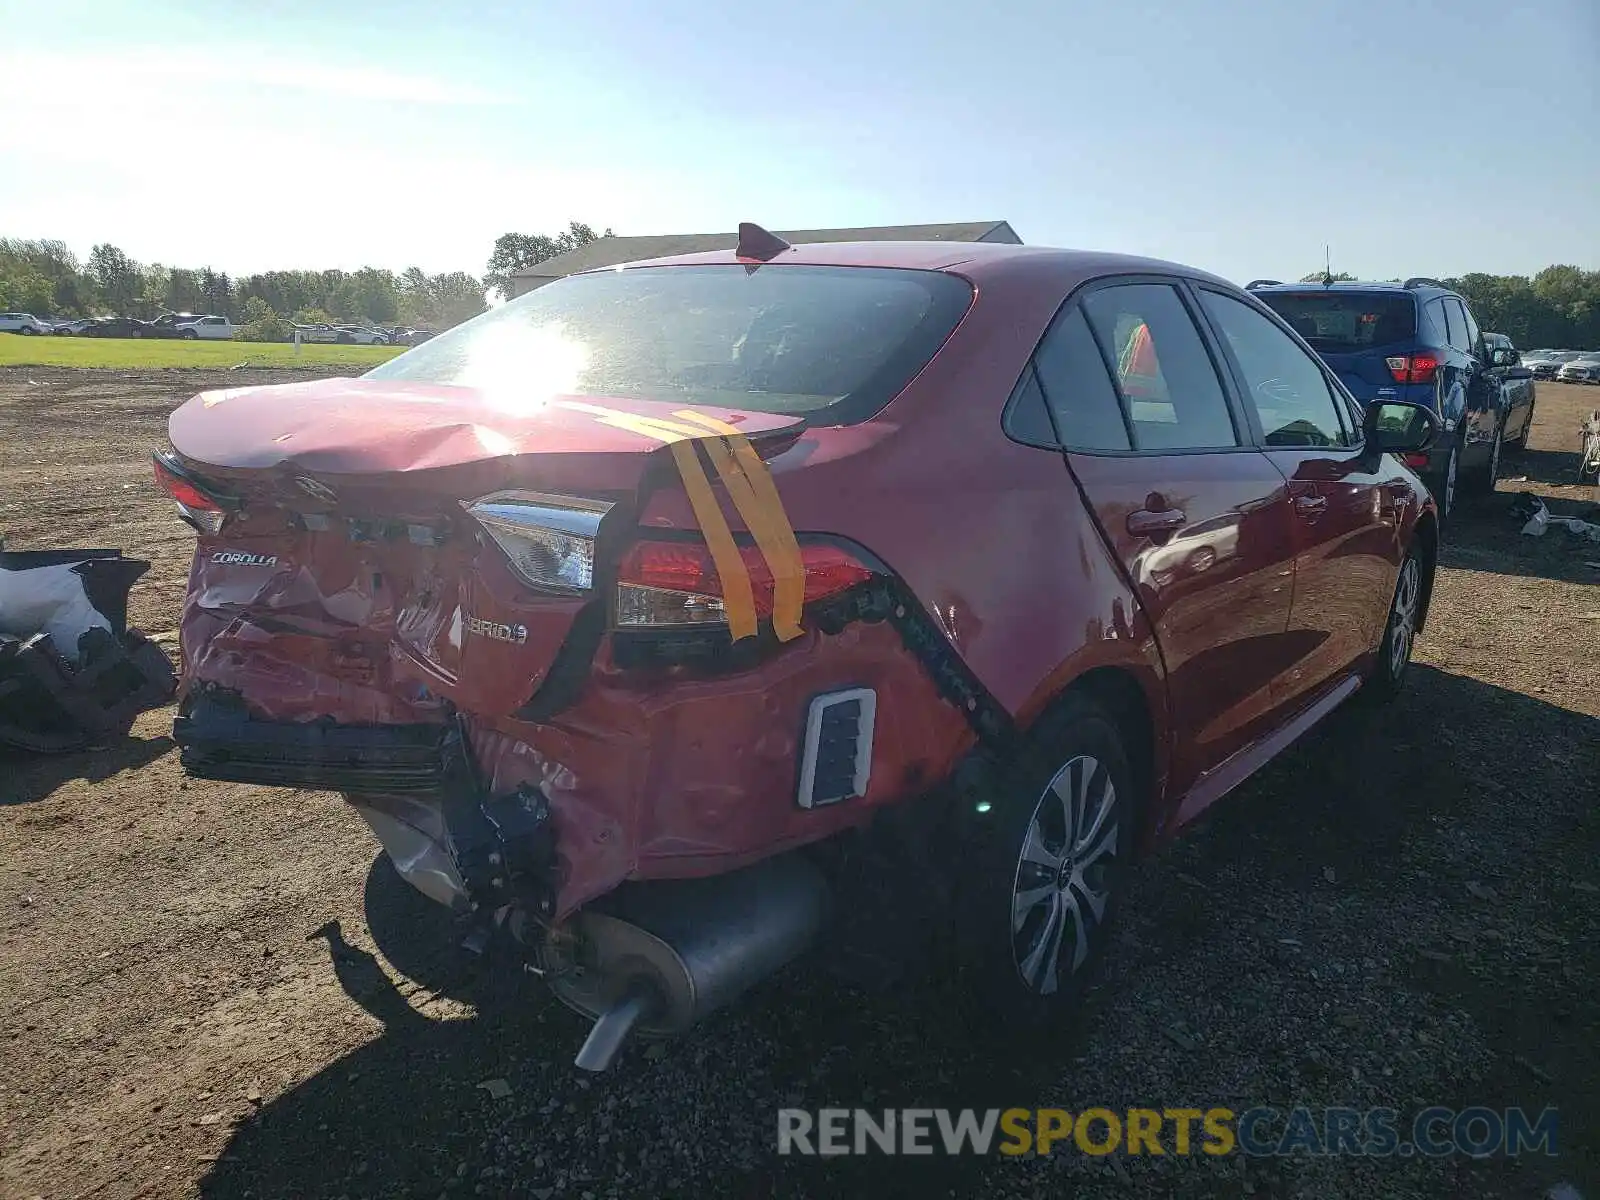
[212,989]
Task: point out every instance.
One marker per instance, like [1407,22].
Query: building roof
[610,251]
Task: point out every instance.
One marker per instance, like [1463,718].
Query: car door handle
[1311,506]
[1142,522]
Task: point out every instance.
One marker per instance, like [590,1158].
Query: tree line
[45,278]
[1558,307]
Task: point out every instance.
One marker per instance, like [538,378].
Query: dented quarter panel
[684,777]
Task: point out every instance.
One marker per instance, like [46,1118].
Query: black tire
[345,339]
[190,335]
[1446,486]
[1388,674]
[1480,481]
[27,331]
[1018,865]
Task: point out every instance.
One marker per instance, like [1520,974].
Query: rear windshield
[1346,321]
[834,344]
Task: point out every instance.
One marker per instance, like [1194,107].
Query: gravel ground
[210,989]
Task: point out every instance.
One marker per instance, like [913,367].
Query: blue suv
[1414,341]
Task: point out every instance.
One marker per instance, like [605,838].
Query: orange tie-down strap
[755,496]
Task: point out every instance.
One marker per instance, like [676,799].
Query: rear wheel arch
[1119,693]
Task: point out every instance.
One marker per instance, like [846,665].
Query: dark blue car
[1414,341]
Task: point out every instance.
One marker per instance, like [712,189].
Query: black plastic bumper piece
[222,741]
[50,704]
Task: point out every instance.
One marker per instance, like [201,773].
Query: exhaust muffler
[656,957]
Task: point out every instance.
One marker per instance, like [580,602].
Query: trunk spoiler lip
[239,429]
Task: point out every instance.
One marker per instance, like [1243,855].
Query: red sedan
[638,613]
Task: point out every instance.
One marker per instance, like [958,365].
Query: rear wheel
[1445,486]
[1521,441]
[27,330]
[1481,481]
[189,335]
[1046,878]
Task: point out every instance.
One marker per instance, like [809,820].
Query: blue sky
[1414,136]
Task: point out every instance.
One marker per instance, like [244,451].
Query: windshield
[1343,322]
[834,344]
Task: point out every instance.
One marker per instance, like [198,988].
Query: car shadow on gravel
[25,778]
[1446,824]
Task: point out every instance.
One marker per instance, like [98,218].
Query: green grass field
[134,354]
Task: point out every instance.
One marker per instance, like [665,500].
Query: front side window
[834,344]
[1165,377]
[1283,383]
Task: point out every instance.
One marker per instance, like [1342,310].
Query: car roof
[982,262]
[1357,286]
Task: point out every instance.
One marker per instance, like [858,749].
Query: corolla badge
[317,491]
[241,558]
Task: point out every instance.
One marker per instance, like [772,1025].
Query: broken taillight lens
[548,540]
[203,510]
[671,584]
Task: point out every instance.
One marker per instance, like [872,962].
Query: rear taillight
[674,584]
[1413,368]
[1415,461]
[548,540]
[202,508]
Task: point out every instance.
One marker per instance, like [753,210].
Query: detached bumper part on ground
[71,673]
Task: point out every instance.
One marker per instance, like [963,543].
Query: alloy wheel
[1063,877]
[1403,616]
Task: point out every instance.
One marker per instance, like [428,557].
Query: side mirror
[1395,427]
[1505,358]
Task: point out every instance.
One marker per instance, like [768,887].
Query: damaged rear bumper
[222,741]
[414,785]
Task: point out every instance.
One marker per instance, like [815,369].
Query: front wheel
[27,331]
[1047,874]
[1399,633]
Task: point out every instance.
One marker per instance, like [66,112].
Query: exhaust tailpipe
[656,957]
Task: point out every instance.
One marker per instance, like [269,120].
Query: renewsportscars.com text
[1258,1132]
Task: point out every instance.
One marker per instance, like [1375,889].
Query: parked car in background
[70,328]
[348,335]
[1546,363]
[1516,388]
[120,327]
[21,322]
[1414,341]
[1580,370]
[954,466]
[209,328]
[401,336]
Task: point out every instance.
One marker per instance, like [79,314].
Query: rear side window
[1081,400]
[1168,385]
[834,344]
[1342,322]
[1460,332]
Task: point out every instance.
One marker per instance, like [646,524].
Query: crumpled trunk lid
[352,584]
